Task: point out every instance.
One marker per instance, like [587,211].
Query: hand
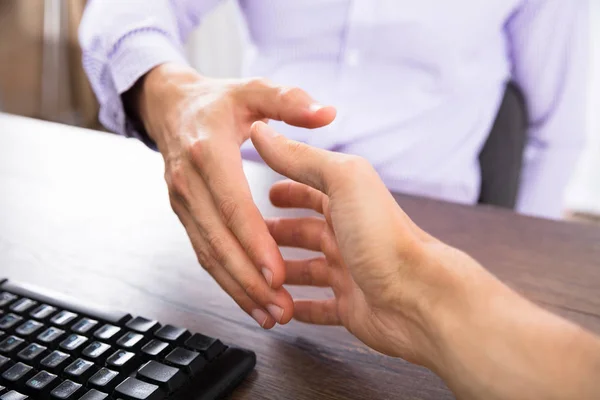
[406,294]
[375,258]
[198,125]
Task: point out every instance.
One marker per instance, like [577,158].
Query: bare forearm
[491,343]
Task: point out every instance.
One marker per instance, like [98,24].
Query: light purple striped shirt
[417,84]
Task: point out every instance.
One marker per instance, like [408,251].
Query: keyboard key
[41,384]
[73,344]
[6,298]
[9,320]
[50,336]
[122,361]
[31,352]
[22,305]
[107,333]
[94,395]
[5,363]
[63,318]
[170,333]
[65,302]
[155,349]
[189,361]
[55,361]
[17,373]
[11,345]
[42,312]
[28,328]
[2,333]
[84,325]
[67,390]
[142,325]
[13,395]
[168,378]
[134,389]
[105,380]
[80,370]
[207,346]
[131,341]
[96,352]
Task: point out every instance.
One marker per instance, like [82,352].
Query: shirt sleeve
[549,51]
[122,40]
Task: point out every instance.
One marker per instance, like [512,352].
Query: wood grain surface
[87,214]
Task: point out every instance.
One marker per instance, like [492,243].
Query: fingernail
[268,276]
[315,107]
[260,316]
[275,311]
[268,130]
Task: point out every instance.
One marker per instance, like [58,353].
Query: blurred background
[41,75]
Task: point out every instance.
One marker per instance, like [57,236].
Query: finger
[231,257]
[313,272]
[291,105]
[304,233]
[221,169]
[297,161]
[237,293]
[326,171]
[225,281]
[218,241]
[290,194]
[318,312]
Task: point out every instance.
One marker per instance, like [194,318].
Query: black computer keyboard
[52,347]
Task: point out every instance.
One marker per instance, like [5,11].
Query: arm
[123,40]
[549,50]
[132,52]
[494,344]
[406,294]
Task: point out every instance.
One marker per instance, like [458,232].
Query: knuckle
[351,167]
[290,94]
[199,152]
[296,150]
[229,210]
[206,261]
[257,83]
[217,245]
[253,289]
[177,182]
[354,163]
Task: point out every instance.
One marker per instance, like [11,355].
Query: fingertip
[285,299]
[276,191]
[261,129]
[269,324]
[321,115]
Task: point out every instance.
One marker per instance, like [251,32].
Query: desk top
[87,214]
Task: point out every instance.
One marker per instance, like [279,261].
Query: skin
[199,124]
[407,294]
[396,288]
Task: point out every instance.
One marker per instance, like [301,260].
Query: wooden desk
[87,214]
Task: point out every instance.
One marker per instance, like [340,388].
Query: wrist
[157,99]
[433,293]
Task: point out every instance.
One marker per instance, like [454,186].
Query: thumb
[290,105]
[297,161]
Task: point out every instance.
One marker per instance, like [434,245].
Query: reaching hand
[199,125]
[373,251]
[406,294]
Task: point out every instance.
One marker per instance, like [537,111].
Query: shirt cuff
[138,52]
[132,57]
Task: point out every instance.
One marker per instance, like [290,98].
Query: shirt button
[353,57]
